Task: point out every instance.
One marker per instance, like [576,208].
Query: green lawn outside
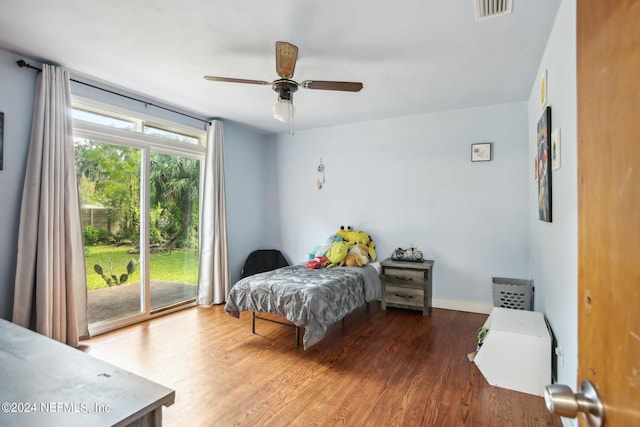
[178,266]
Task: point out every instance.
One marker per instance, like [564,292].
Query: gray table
[44,382]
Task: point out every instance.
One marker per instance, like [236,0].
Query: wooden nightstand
[407,284]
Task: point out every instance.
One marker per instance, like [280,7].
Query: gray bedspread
[313,299]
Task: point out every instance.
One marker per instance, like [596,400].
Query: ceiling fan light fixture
[285,87]
[283,110]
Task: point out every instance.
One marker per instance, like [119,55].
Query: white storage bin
[516,351]
[513,293]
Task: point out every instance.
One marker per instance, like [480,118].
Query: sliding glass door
[109,185]
[173,229]
[140,212]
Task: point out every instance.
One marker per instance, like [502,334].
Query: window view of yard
[113,214]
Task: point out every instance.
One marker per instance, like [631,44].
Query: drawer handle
[406,279]
[404,296]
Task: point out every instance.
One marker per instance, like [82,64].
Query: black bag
[263,260]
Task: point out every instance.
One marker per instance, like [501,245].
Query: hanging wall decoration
[543,89]
[320,182]
[544,166]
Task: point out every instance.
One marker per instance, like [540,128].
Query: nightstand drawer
[404,295]
[398,277]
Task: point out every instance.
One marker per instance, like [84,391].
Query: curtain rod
[22,64]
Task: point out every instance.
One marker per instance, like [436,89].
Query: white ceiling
[413,56]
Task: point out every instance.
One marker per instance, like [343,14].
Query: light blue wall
[17,88]
[247,159]
[410,181]
[554,246]
[250,216]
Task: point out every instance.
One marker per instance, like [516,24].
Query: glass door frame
[147,144]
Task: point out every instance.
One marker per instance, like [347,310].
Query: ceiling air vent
[490,8]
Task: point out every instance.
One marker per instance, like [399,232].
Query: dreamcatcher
[320,175]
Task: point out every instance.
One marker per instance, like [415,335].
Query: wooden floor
[383,368]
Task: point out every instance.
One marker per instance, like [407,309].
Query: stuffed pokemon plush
[357,257]
[322,250]
[353,236]
[334,238]
[312,253]
[337,253]
[371,249]
[343,232]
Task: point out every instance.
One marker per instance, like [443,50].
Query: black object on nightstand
[407,285]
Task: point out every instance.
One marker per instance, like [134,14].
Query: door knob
[561,400]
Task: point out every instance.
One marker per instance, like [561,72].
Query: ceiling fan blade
[286,56]
[329,85]
[232,80]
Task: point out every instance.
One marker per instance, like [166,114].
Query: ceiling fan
[286,56]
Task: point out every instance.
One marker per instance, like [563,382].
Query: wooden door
[608,55]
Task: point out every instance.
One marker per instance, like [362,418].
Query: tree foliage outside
[109,175]
[174,198]
[95,235]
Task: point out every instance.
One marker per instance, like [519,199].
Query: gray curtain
[213,275]
[50,289]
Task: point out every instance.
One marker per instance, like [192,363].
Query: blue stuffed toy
[319,251]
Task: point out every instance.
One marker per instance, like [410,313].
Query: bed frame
[257,316]
[362,285]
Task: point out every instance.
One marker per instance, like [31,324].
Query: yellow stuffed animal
[350,235]
[337,253]
[343,232]
[357,256]
[371,249]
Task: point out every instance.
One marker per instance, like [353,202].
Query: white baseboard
[469,306]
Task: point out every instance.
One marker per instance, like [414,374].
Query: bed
[312,299]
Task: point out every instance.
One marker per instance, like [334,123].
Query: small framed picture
[555,149]
[481,152]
